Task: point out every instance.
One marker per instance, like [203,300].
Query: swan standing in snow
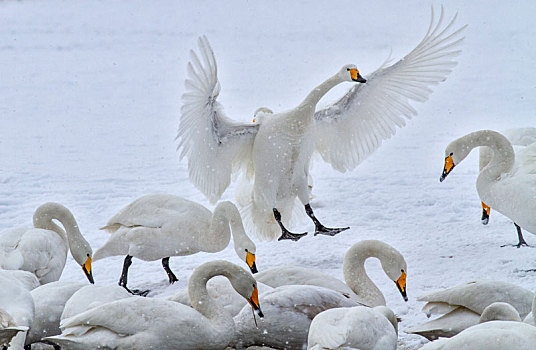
[508,183]
[357,327]
[519,138]
[16,308]
[499,329]
[461,306]
[359,287]
[42,250]
[147,323]
[49,301]
[289,311]
[277,152]
[158,226]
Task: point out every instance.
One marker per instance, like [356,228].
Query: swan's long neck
[220,319]
[355,275]
[503,157]
[219,236]
[47,212]
[235,220]
[318,92]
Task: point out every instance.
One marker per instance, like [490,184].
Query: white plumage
[277,152]
[42,250]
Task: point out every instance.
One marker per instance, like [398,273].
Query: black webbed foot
[329,231]
[292,236]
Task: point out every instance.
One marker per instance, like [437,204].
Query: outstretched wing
[214,145]
[355,126]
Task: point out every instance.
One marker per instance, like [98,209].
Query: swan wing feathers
[355,126]
[214,145]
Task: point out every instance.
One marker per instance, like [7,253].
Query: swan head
[83,256]
[350,73]
[395,268]
[246,286]
[260,113]
[246,251]
[455,152]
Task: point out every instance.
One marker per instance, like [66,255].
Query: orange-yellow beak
[254,302]
[250,260]
[401,285]
[354,74]
[449,165]
[87,270]
[485,213]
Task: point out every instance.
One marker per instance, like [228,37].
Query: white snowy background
[89,107]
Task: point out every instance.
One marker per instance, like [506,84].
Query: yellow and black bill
[449,165]
[86,267]
[250,260]
[401,285]
[354,74]
[254,301]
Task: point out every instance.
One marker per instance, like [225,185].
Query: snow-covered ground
[89,106]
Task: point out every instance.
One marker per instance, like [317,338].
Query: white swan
[148,323]
[42,250]
[278,150]
[508,183]
[49,301]
[289,311]
[357,327]
[90,297]
[359,286]
[500,328]
[158,226]
[16,308]
[461,306]
[220,289]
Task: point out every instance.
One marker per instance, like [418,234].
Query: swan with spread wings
[275,154]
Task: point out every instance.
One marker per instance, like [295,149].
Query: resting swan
[500,328]
[519,138]
[357,327]
[91,296]
[42,250]
[359,287]
[158,226]
[149,323]
[277,152]
[461,306]
[508,183]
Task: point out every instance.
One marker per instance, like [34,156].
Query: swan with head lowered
[42,250]
[276,153]
[359,287]
[507,183]
[148,323]
[158,226]
[519,138]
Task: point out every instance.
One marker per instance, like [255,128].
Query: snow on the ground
[89,106]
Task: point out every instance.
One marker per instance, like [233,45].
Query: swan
[221,290]
[359,287]
[49,301]
[508,183]
[276,153]
[357,327]
[157,226]
[152,323]
[16,308]
[289,311]
[91,296]
[42,250]
[519,138]
[500,328]
[461,306]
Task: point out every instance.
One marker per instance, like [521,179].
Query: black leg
[319,228]
[286,234]
[123,279]
[171,275]
[26,347]
[520,237]
[56,347]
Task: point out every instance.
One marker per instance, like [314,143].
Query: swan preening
[462,306]
[276,153]
[507,183]
[42,250]
[159,226]
[359,287]
[147,323]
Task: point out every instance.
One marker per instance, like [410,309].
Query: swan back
[91,296]
[499,311]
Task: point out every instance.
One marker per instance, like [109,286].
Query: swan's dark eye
[246,250]
[451,154]
[402,270]
[348,69]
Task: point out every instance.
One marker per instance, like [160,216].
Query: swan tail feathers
[111,228]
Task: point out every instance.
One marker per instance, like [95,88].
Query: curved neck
[355,275]
[47,212]
[219,235]
[317,93]
[220,319]
[503,157]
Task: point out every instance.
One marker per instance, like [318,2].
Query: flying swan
[276,153]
